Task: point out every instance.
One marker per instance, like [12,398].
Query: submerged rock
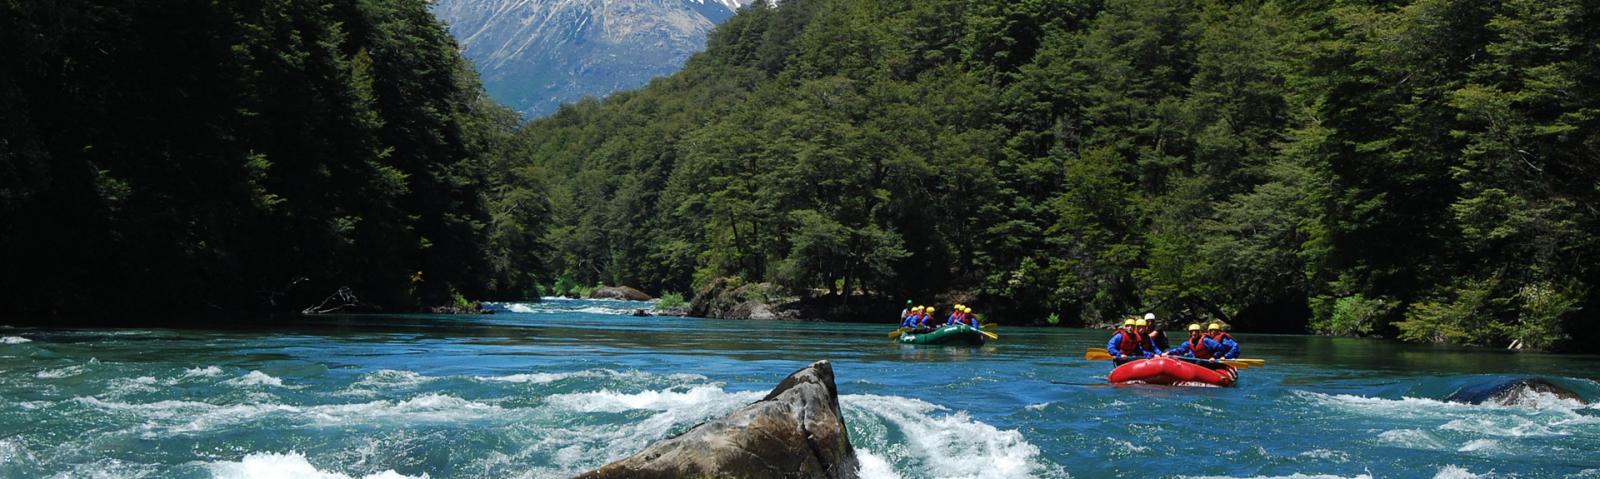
[796,431]
[1512,392]
[620,292]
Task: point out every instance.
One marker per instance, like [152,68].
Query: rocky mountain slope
[535,55]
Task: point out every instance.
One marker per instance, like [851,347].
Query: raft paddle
[1097,354]
[896,333]
[989,335]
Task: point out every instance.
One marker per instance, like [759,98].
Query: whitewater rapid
[569,385]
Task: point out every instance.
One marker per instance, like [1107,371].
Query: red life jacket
[1197,347]
[1220,336]
[1131,343]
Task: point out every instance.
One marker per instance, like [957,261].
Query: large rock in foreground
[619,292]
[794,432]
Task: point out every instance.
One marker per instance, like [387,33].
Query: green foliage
[1354,315]
[1543,306]
[1463,313]
[252,155]
[670,300]
[1429,161]
[460,300]
[1211,159]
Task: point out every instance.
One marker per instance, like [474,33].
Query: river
[558,387]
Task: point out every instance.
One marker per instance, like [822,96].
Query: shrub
[461,301]
[1463,313]
[1538,323]
[1355,315]
[670,300]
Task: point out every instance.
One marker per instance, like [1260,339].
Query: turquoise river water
[554,388]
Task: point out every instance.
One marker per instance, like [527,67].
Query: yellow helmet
[1128,322]
[1194,327]
[1141,323]
[967,309]
[1215,327]
[917,309]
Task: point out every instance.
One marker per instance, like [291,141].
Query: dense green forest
[252,155]
[1421,169]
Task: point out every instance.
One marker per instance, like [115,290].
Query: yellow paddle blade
[1096,355]
[990,325]
[1249,362]
[1101,351]
[896,333]
[989,335]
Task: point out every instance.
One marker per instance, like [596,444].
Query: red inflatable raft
[1174,372]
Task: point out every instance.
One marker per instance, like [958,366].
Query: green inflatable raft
[960,334]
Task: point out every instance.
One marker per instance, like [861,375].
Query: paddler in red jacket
[1127,343]
[968,318]
[1230,348]
[1199,346]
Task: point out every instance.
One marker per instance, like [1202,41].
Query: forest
[252,155]
[1422,169]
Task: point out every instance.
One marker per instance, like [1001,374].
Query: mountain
[534,55]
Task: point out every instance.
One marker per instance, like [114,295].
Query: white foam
[124,386]
[874,467]
[950,445]
[1479,445]
[12,450]
[1500,426]
[574,449]
[59,373]
[255,378]
[391,378]
[285,466]
[1291,476]
[1123,447]
[424,408]
[1327,455]
[205,372]
[14,340]
[563,305]
[1405,407]
[1412,438]
[1545,400]
[181,417]
[1457,472]
[657,400]
[1037,407]
[630,376]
